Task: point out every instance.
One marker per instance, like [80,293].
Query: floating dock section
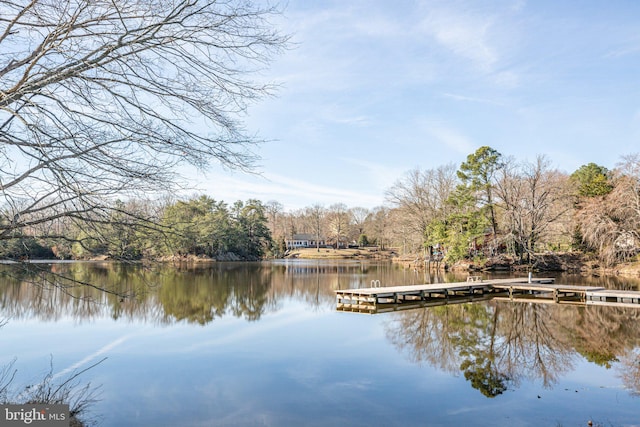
[378,299]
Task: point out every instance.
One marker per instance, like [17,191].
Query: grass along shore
[330,253]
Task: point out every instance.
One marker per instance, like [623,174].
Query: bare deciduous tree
[534,198]
[380,225]
[274,211]
[316,216]
[422,196]
[338,223]
[358,216]
[100,98]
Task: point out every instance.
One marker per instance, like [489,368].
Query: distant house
[304,241]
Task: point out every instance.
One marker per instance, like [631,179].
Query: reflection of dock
[539,290]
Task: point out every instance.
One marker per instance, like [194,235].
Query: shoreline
[569,262]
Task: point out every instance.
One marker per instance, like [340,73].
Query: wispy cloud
[628,48]
[449,137]
[353,120]
[484,36]
[380,175]
[341,47]
[465,98]
[305,190]
[292,192]
[463,33]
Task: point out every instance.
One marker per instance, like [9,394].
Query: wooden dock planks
[618,298]
[392,298]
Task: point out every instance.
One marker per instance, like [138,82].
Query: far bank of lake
[561,262]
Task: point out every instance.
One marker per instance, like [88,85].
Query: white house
[304,241]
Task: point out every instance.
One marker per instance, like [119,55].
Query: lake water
[261,344]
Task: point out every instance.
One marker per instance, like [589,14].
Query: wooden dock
[614,297]
[378,299]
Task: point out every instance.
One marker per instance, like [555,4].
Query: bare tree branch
[101,99]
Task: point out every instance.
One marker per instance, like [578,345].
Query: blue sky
[372,89]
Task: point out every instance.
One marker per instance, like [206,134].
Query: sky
[369,90]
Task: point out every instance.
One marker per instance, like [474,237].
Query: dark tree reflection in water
[498,344]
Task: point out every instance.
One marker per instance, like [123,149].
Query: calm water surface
[263,345]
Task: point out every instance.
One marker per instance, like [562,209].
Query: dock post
[530,277]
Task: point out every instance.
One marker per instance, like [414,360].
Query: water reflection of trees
[494,345]
[630,370]
[166,294]
[202,295]
[159,295]
[498,344]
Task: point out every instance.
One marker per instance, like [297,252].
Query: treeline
[488,205]
[491,204]
[199,226]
